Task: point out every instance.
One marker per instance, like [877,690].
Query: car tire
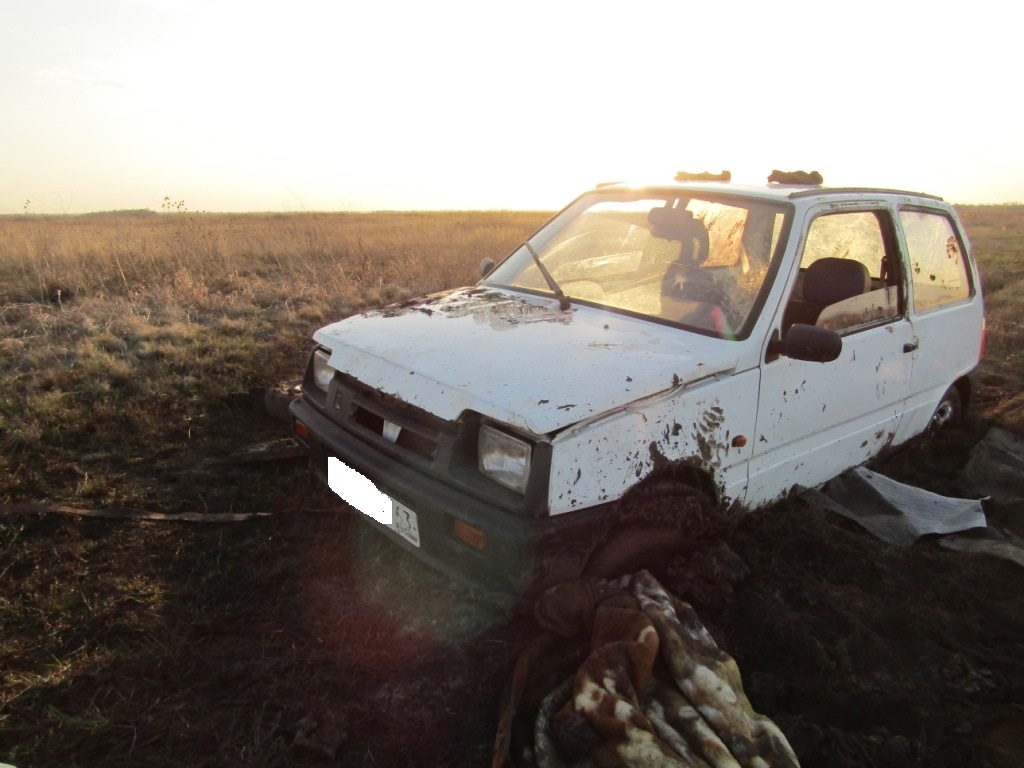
[947,413]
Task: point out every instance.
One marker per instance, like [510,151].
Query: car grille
[386,420]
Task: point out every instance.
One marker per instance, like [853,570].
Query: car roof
[776,192]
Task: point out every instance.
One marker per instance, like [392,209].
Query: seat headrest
[830,280]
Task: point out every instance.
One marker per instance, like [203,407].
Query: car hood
[517,358]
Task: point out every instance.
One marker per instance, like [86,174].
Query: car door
[815,420]
[945,308]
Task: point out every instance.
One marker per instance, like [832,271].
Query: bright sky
[245,105]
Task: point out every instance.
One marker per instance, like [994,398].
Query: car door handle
[910,346]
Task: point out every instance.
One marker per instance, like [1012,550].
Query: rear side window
[938,264]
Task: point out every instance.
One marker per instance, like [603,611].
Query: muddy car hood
[517,358]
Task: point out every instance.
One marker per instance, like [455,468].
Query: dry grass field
[122,336]
[130,348]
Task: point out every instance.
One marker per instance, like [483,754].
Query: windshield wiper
[563,302]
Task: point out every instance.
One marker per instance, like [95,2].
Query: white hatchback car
[687,340]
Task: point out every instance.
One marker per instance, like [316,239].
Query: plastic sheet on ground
[654,689]
[898,513]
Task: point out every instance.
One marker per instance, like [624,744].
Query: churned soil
[303,638]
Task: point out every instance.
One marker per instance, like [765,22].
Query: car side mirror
[486,266]
[806,342]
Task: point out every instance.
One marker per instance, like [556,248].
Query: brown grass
[124,341]
[349,260]
[121,336]
[997,235]
[128,346]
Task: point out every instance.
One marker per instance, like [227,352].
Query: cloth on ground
[655,689]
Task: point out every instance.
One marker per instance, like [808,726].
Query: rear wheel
[948,412]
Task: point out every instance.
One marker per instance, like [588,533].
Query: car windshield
[675,257]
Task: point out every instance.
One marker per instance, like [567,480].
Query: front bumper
[523,554]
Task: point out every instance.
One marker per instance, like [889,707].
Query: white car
[689,344]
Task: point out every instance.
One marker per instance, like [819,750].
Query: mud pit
[862,652]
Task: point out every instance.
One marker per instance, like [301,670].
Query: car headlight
[504,459]
[322,372]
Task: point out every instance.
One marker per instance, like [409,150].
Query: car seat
[826,281]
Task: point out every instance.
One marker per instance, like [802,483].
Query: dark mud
[304,639]
[864,653]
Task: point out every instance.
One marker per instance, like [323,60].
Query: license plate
[404,523]
[358,491]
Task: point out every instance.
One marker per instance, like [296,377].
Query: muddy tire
[654,525]
[948,413]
